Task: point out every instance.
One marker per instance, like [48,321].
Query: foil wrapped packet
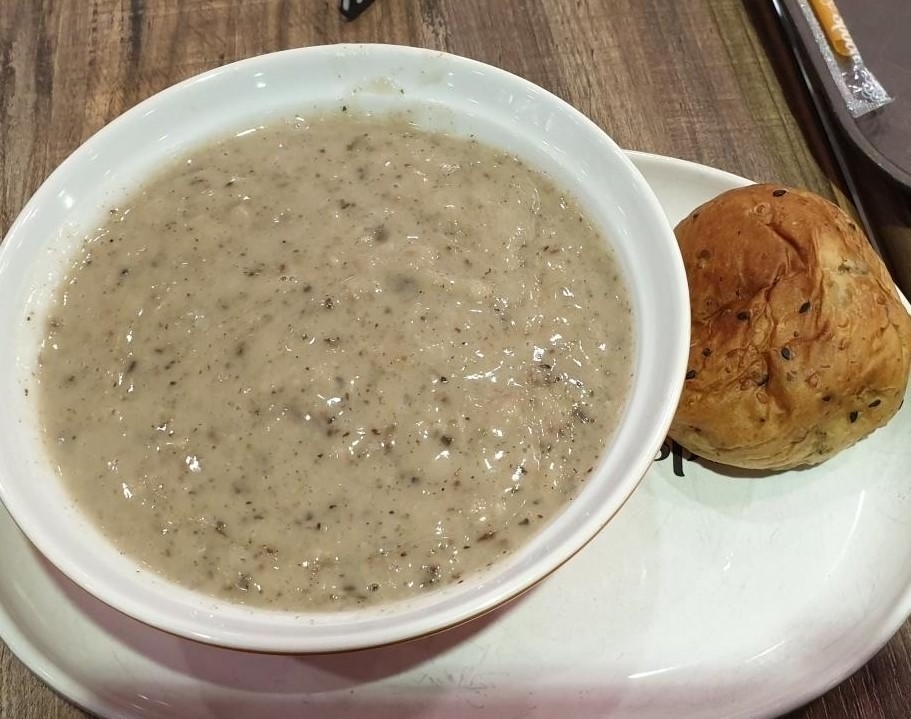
[860,89]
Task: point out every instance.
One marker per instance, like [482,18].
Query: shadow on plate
[274,673]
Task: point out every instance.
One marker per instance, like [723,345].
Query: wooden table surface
[689,79]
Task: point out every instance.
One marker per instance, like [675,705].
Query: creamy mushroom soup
[334,361]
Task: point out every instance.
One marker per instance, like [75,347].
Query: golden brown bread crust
[800,343]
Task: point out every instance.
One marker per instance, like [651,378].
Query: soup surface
[334,361]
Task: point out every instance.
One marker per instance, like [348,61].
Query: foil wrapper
[859,88]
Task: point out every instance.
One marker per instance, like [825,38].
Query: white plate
[707,596]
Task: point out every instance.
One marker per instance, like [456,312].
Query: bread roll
[800,342]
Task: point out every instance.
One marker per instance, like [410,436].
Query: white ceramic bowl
[450,93]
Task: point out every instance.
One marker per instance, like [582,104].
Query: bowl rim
[240,627]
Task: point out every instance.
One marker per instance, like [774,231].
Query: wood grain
[688,79]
